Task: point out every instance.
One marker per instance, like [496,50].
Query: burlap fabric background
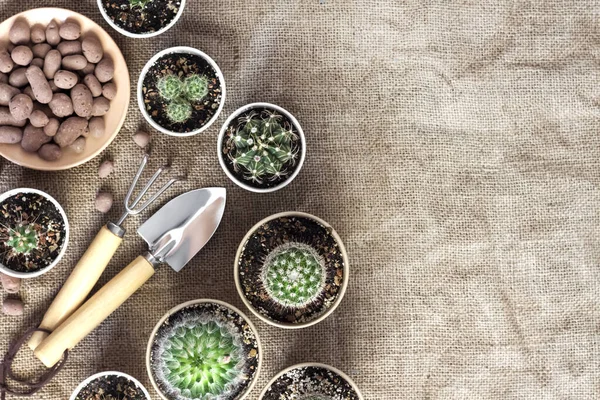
[455,149]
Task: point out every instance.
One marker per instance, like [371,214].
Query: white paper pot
[107,373]
[318,365]
[26,275]
[140,35]
[191,303]
[184,50]
[241,111]
[263,317]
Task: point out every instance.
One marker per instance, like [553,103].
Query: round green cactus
[22,239]
[294,274]
[200,358]
[263,147]
[179,110]
[195,87]
[170,87]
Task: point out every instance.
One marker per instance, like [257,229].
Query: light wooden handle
[94,311]
[80,283]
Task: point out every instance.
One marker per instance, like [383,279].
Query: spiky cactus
[170,87]
[263,148]
[195,87]
[179,110]
[22,239]
[180,94]
[294,274]
[200,358]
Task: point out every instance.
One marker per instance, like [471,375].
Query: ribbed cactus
[263,148]
[22,239]
[180,94]
[294,274]
[200,358]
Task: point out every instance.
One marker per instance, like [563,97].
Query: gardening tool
[94,261]
[174,234]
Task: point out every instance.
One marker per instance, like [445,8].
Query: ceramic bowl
[26,275]
[118,106]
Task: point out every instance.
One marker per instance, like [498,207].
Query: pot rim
[186,50]
[190,303]
[311,364]
[140,35]
[27,275]
[251,307]
[106,373]
[236,114]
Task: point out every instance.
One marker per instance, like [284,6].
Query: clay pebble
[10,283]
[12,307]
[103,202]
[106,168]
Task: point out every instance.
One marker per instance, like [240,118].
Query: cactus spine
[22,239]
[294,275]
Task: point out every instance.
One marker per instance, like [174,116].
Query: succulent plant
[195,87]
[200,357]
[170,87]
[179,110]
[180,94]
[294,274]
[22,239]
[138,3]
[263,147]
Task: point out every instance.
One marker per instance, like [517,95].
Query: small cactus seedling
[179,110]
[138,3]
[180,94]
[195,87]
[200,357]
[294,275]
[22,239]
[263,147]
[170,87]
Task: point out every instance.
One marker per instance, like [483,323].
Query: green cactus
[170,87]
[138,3]
[294,274]
[22,239]
[195,87]
[263,148]
[200,358]
[179,110]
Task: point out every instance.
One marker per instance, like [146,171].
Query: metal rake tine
[145,189]
[154,196]
[135,181]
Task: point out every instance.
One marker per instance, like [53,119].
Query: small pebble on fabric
[104,201]
[141,139]
[9,283]
[106,168]
[12,307]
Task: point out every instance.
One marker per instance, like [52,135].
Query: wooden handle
[80,283]
[94,311]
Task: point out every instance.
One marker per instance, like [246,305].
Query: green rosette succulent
[195,87]
[294,275]
[263,147]
[179,110]
[170,87]
[200,357]
[22,239]
[181,94]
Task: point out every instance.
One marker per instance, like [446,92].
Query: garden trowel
[174,235]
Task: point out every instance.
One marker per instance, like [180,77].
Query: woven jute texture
[454,146]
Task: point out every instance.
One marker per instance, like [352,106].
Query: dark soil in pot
[311,383]
[141,16]
[111,387]
[262,148]
[291,270]
[162,106]
[32,232]
[205,350]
